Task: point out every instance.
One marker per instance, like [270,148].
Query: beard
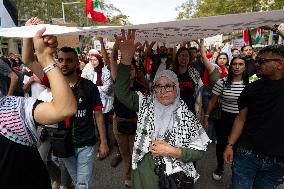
[68,73]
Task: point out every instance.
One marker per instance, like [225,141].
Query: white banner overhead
[168,32]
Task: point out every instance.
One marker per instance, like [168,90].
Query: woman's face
[238,66]
[93,60]
[183,58]
[165,91]
[222,60]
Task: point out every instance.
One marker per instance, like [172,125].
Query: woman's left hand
[162,148]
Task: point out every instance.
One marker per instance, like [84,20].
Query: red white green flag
[258,36]
[94,10]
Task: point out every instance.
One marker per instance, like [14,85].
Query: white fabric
[106,90]
[46,96]
[6,19]
[169,32]
[36,87]
[87,70]
[94,51]
[26,79]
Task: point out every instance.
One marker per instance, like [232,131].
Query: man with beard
[258,128]
[247,51]
[81,164]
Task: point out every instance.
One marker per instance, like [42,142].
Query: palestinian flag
[8,14]
[258,36]
[247,37]
[94,10]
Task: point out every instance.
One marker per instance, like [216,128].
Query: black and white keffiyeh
[187,132]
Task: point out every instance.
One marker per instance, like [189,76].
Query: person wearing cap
[167,132]
[258,161]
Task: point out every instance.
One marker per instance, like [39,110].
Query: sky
[147,11]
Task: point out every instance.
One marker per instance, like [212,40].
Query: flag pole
[68,3]
[63,14]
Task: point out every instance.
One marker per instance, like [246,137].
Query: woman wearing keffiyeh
[167,132]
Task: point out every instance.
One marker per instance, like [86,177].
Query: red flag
[94,10]
[247,36]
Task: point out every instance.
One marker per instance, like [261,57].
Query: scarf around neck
[164,115]
[187,132]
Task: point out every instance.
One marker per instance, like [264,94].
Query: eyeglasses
[260,60]
[167,88]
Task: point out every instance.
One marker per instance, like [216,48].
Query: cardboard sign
[68,41]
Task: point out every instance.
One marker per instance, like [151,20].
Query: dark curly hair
[276,50]
[222,53]
[69,49]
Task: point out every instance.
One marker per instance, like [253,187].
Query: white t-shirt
[36,87]
[46,96]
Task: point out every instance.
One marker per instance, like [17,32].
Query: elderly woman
[167,132]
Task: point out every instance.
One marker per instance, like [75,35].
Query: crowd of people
[164,106]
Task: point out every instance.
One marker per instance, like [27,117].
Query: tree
[47,10]
[185,9]
[204,8]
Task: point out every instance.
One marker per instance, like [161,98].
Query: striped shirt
[229,95]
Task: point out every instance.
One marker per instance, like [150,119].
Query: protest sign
[168,32]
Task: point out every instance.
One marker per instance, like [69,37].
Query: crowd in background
[158,101]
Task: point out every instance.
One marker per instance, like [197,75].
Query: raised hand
[186,43]
[114,52]
[200,42]
[45,46]
[34,21]
[127,46]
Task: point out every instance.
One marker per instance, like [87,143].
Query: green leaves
[204,8]
[49,10]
